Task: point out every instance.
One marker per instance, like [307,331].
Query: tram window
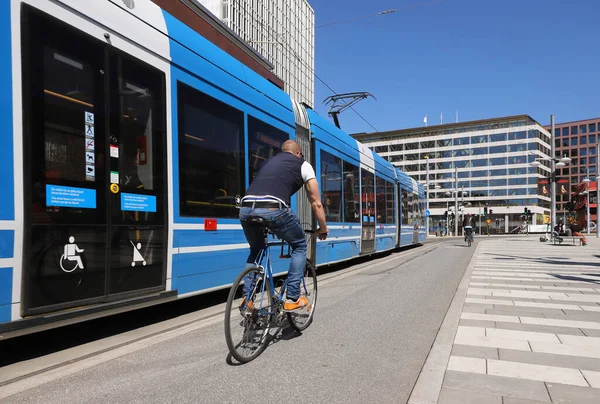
[68,95]
[351,193]
[391,212]
[406,214]
[331,186]
[264,141]
[380,200]
[211,155]
[138,121]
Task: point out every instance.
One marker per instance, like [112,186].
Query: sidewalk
[523,328]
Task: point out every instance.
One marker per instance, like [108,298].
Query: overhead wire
[293,52]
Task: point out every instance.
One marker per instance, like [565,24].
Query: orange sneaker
[291,305]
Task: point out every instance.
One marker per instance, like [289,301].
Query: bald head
[291,147]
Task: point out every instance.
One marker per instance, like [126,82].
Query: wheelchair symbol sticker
[137,255]
[70,254]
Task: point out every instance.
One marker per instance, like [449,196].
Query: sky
[482,58]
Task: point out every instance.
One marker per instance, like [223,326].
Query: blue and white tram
[127,139]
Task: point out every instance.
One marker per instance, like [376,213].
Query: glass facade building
[283,31]
[491,158]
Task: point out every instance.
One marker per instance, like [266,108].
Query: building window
[592,151]
[592,139]
[574,141]
[211,155]
[583,151]
[498,149]
[565,131]
[592,127]
[583,129]
[574,130]
[498,137]
[331,186]
[583,140]
[498,161]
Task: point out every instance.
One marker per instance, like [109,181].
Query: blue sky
[484,58]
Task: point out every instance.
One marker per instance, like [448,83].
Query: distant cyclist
[269,197]
[468,224]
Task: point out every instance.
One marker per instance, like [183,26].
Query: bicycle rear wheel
[248,315]
[302,318]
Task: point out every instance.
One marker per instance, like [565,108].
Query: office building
[577,140]
[282,31]
[492,160]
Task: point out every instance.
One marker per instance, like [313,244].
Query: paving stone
[479,308]
[522,311]
[591,333]
[476,351]
[525,335]
[493,317]
[511,400]
[496,385]
[466,364]
[566,394]
[563,349]
[592,377]
[528,371]
[539,328]
[581,341]
[520,299]
[492,342]
[573,362]
[477,323]
[556,322]
[576,315]
[448,396]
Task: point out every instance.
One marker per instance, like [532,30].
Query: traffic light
[491,211]
[485,212]
[525,209]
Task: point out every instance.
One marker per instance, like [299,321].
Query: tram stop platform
[523,328]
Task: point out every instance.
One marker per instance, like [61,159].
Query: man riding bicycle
[468,223]
[268,197]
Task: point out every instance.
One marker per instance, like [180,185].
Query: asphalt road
[374,325]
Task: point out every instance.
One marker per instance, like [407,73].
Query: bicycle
[469,237]
[254,311]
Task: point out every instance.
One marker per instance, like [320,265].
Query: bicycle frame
[265,254]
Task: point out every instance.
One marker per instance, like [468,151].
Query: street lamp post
[455,201]
[588,194]
[427,199]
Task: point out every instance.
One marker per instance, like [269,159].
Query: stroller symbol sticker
[137,255]
[70,254]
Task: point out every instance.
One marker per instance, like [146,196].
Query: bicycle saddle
[256,221]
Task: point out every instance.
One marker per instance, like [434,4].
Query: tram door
[367,186]
[94,165]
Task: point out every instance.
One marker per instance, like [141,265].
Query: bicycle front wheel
[301,319]
[248,315]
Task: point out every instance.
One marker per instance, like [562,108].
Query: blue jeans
[286,225]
